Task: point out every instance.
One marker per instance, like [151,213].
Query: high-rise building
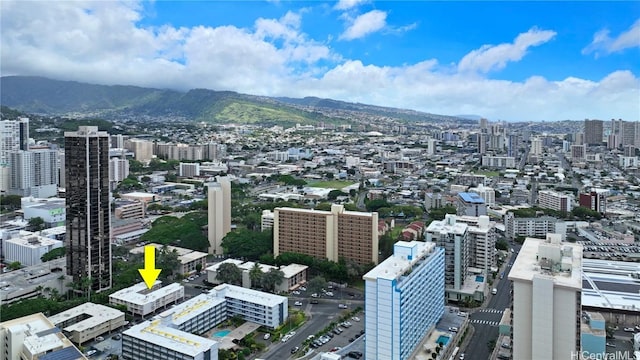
[593,132]
[595,200]
[219,212]
[143,149]
[471,204]
[553,200]
[488,194]
[331,235]
[536,146]
[189,170]
[629,150]
[452,237]
[33,172]
[481,235]
[404,298]
[88,206]
[118,169]
[482,143]
[578,152]
[547,291]
[14,135]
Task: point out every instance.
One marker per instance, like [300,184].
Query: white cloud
[365,24]
[495,57]
[348,4]
[603,43]
[102,42]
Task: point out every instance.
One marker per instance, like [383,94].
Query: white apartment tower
[547,290]
[219,212]
[452,237]
[536,146]
[482,241]
[488,194]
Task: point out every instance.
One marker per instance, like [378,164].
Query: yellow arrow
[149,273]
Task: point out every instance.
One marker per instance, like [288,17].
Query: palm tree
[256,274]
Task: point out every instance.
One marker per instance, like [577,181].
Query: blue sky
[513,61]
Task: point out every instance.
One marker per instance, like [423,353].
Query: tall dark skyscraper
[593,132]
[88,207]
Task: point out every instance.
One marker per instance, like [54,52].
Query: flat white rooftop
[155,333]
[35,241]
[97,313]
[248,295]
[191,308]
[139,294]
[41,336]
[394,266]
[611,284]
[444,227]
[292,269]
[527,264]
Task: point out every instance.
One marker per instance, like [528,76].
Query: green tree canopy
[374,205]
[229,273]
[439,213]
[255,274]
[334,194]
[316,284]
[54,254]
[10,202]
[271,279]
[36,224]
[183,232]
[248,244]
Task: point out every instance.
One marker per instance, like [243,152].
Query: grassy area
[332,184]
[396,231]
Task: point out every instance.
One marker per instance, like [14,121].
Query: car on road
[298,303]
[462,356]
[638,327]
[91,352]
[355,318]
[315,295]
[295,349]
[629,329]
[354,354]
[314,301]
[303,289]
[463,314]
[342,306]
[329,293]
[453,329]
[334,349]
[611,345]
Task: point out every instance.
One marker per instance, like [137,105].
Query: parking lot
[610,250]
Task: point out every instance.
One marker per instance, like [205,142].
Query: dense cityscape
[382,241]
[319,180]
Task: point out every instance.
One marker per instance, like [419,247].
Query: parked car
[298,303]
[355,318]
[453,329]
[295,349]
[116,337]
[267,336]
[354,354]
[315,295]
[99,338]
[342,306]
[462,314]
[91,352]
[629,329]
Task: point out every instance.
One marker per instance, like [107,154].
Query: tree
[54,254]
[374,205]
[502,245]
[316,284]
[35,224]
[170,262]
[14,265]
[198,267]
[255,274]
[271,279]
[10,202]
[334,194]
[229,273]
[248,244]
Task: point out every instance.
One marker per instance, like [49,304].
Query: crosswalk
[485,322]
[491,311]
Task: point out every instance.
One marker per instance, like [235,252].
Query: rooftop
[139,294]
[447,226]
[35,241]
[191,308]
[182,342]
[97,314]
[396,265]
[549,257]
[611,284]
[471,197]
[248,295]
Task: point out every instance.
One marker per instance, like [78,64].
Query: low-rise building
[34,337]
[151,340]
[537,227]
[295,275]
[189,259]
[87,321]
[28,249]
[553,200]
[140,300]
[129,210]
[256,306]
[266,220]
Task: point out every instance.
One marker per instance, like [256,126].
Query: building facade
[471,204]
[404,299]
[219,213]
[546,307]
[256,306]
[87,321]
[88,206]
[452,236]
[553,200]
[331,235]
[151,340]
[532,226]
[593,132]
[140,300]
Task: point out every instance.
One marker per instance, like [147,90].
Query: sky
[506,60]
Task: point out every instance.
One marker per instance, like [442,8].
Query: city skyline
[517,61]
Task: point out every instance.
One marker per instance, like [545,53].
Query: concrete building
[499,162]
[481,233]
[52,210]
[33,172]
[404,299]
[578,152]
[143,149]
[452,236]
[143,301]
[87,321]
[471,204]
[546,308]
[595,200]
[151,340]
[129,210]
[143,197]
[197,315]
[532,226]
[295,275]
[487,194]
[118,170]
[189,170]
[28,250]
[593,132]
[593,335]
[553,200]
[256,306]
[331,235]
[266,220]
[219,213]
[88,206]
[628,162]
[34,337]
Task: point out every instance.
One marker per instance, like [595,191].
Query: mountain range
[39,95]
